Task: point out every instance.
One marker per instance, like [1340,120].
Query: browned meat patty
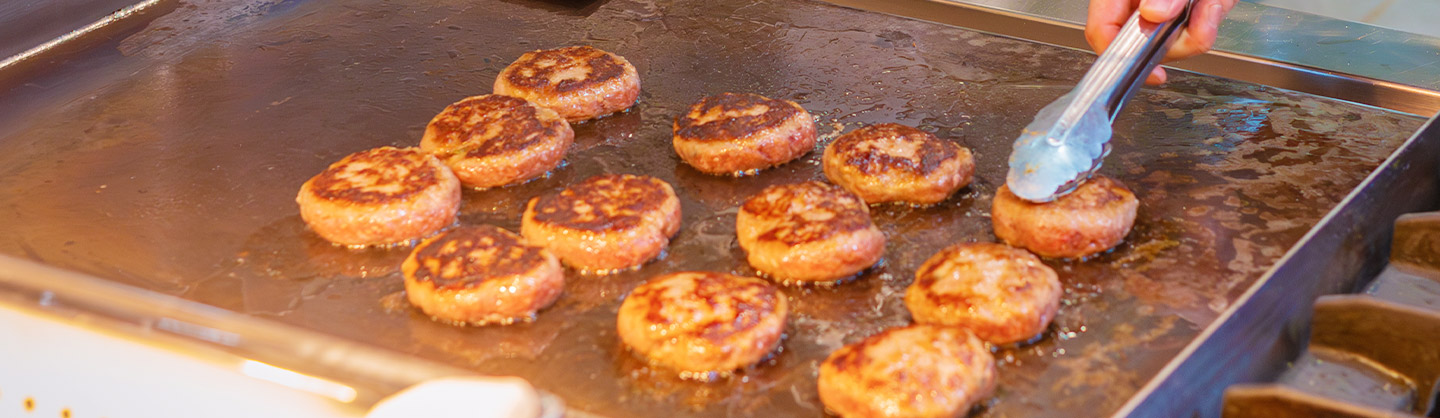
[495,140]
[703,323]
[1004,294]
[742,133]
[379,197]
[578,82]
[481,275]
[896,163]
[1093,218]
[605,223]
[919,371]
[808,232]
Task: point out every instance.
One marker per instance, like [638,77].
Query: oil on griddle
[175,169]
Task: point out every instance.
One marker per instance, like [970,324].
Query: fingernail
[1160,10]
[1161,6]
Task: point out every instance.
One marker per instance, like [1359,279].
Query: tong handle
[1124,66]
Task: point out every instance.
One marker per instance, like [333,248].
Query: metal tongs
[1070,137]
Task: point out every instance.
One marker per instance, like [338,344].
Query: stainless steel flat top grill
[174,168]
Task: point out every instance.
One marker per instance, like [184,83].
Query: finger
[1156,77]
[1157,11]
[1210,14]
[1104,20]
[1199,36]
[1100,36]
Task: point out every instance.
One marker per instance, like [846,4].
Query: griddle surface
[174,168]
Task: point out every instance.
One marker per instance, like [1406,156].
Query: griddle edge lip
[1231,59]
[17,67]
[1164,392]
[85,300]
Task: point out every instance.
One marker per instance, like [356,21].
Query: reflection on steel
[298,381]
[25,24]
[1265,328]
[115,22]
[82,299]
[1260,44]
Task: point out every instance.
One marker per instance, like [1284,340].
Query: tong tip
[1052,158]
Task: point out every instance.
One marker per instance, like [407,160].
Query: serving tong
[1069,138]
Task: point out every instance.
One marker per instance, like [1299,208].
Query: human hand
[1107,16]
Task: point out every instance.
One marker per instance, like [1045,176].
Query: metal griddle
[173,167]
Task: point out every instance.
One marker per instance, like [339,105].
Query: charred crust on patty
[1095,193]
[753,299]
[852,357]
[466,257]
[740,133]
[729,116]
[857,149]
[1090,220]
[1102,191]
[919,371]
[1003,294]
[828,210]
[1026,266]
[536,69]
[402,173]
[611,202]
[492,125]
[703,323]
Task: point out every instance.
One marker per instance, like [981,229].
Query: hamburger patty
[919,371]
[808,232]
[703,323]
[578,82]
[896,163]
[481,275]
[733,133]
[1088,221]
[496,140]
[380,196]
[1003,294]
[605,223]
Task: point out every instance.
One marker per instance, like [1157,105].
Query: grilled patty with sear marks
[896,163]
[1004,294]
[496,140]
[481,275]
[732,133]
[578,82]
[1088,221]
[703,323]
[808,232]
[919,371]
[380,196]
[607,222]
